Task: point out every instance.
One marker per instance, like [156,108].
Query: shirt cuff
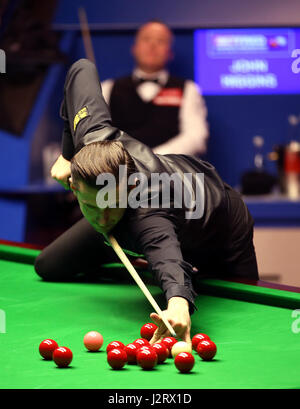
[178,290]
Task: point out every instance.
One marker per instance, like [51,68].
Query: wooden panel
[278,251]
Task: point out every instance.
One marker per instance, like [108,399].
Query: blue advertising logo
[220,44]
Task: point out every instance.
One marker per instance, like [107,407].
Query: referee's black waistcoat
[152,122]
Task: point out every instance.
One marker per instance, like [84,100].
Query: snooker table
[254,326]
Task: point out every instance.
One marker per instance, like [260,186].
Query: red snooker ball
[161,351]
[206,350]
[114,345]
[131,351]
[184,362]
[148,330]
[47,347]
[148,347]
[198,338]
[62,356]
[117,358]
[146,358]
[140,342]
[169,342]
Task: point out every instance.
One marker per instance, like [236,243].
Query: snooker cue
[122,256]
[86,35]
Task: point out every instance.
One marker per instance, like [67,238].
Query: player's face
[102,219]
[152,47]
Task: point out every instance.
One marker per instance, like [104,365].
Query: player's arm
[158,241]
[84,109]
[193,126]
[61,170]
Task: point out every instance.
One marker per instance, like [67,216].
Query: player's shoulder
[187,163]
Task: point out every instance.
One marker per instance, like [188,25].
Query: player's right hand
[178,316]
[61,171]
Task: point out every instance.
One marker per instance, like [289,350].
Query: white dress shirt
[193,126]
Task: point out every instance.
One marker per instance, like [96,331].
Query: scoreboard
[248,61]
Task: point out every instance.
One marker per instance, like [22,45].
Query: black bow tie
[142,80]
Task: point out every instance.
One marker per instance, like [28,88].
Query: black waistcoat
[152,123]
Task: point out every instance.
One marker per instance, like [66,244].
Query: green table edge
[18,254]
[250,293]
[214,287]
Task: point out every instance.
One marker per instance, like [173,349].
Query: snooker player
[178,246]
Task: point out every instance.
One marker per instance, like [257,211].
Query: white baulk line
[122,256]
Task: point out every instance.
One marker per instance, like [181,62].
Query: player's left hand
[179,318]
[61,171]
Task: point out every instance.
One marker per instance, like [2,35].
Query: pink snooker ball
[93,341]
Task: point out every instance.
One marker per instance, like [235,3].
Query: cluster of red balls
[138,352]
[147,357]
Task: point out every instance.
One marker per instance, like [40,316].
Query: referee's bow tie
[142,80]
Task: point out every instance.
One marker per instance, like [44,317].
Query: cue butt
[86,35]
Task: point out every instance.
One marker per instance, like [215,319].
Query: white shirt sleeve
[107,86]
[193,126]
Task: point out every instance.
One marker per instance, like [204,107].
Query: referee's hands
[179,318]
[61,172]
